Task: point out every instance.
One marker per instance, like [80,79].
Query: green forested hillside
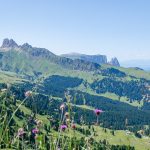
[122,94]
[59,74]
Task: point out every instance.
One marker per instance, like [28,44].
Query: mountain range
[90,74]
[91,81]
[144,64]
[99,59]
[90,71]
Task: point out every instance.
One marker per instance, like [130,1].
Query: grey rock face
[26,46]
[9,43]
[99,59]
[114,61]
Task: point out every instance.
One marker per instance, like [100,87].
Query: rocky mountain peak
[99,59]
[114,61]
[26,46]
[9,43]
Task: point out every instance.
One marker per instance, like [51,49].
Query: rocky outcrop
[114,61]
[29,53]
[99,59]
[80,61]
[9,43]
[26,46]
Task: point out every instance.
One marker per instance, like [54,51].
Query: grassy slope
[9,77]
[52,69]
[132,72]
[122,99]
[136,73]
[109,95]
[26,64]
[120,137]
[28,112]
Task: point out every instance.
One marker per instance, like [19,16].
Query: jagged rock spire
[26,46]
[9,43]
[114,61]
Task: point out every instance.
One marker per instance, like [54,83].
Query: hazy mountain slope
[132,72]
[115,90]
[144,64]
[30,60]
[99,59]
[10,77]
[35,62]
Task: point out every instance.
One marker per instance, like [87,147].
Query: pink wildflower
[63,127]
[28,93]
[73,126]
[62,106]
[20,132]
[35,131]
[98,111]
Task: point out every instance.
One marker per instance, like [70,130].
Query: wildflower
[28,93]
[38,123]
[98,111]
[63,127]
[66,114]
[67,120]
[62,106]
[73,126]
[20,132]
[35,131]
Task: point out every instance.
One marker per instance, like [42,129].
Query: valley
[50,80]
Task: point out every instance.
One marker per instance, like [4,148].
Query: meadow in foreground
[50,134]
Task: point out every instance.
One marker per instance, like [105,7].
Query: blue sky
[118,28]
